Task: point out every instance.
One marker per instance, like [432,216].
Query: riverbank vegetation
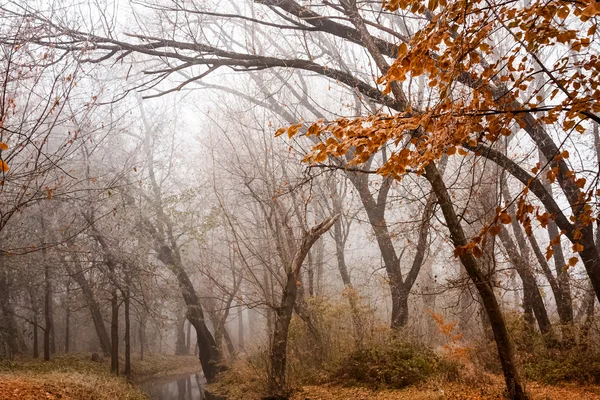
[78,377]
[382,195]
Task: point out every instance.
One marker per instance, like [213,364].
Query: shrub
[552,367]
[392,365]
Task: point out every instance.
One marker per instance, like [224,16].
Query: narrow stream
[190,387]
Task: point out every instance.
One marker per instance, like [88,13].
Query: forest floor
[77,377]
[450,391]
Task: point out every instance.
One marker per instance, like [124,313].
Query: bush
[392,365]
[573,365]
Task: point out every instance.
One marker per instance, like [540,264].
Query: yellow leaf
[3,146]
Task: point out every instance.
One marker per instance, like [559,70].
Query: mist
[284,199]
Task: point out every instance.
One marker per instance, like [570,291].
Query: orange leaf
[573,261]
[402,50]
[592,10]
[4,166]
[577,247]
[3,146]
[543,218]
[494,230]
[549,253]
[280,132]
[504,218]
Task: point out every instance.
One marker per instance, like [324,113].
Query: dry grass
[77,377]
[66,385]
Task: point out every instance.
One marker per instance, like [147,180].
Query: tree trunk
[48,317]
[283,314]
[514,386]
[7,310]
[67,330]
[209,354]
[127,337]
[188,338]
[114,333]
[376,213]
[36,349]
[340,236]
[180,345]
[530,288]
[240,317]
[142,337]
[92,304]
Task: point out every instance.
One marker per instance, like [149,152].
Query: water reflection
[189,387]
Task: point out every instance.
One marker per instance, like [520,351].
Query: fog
[260,186]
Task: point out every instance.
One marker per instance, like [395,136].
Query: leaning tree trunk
[283,314]
[530,288]
[92,304]
[514,386]
[209,354]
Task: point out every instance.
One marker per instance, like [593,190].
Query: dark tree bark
[114,333]
[514,385]
[188,337]
[283,313]
[210,356]
[6,307]
[142,337]
[90,299]
[68,319]
[127,336]
[240,317]
[530,287]
[565,309]
[48,314]
[375,209]
[340,236]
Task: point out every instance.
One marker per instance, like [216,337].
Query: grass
[77,377]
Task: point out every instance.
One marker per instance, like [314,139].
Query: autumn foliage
[487,77]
